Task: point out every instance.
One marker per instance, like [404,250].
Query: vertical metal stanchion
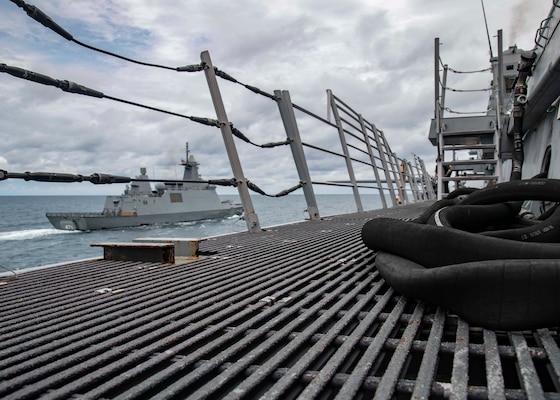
[412,178]
[385,157]
[499,76]
[292,131]
[398,178]
[367,141]
[348,160]
[408,180]
[251,217]
[437,117]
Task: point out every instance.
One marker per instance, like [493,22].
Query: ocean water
[27,239]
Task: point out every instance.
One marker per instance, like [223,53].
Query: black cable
[42,18]
[72,87]
[285,192]
[102,179]
[45,20]
[64,85]
[254,89]
[39,16]
[99,179]
[186,68]
[205,121]
[121,57]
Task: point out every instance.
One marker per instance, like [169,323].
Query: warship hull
[95,221]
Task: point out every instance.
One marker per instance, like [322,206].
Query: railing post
[437,116]
[371,158]
[410,178]
[338,122]
[499,107]
[428,189]
[250,216]
[385,157]
[399,178]
[290,125]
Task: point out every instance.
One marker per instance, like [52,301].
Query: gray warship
[171,202]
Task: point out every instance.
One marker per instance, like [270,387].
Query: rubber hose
[475,218]
[461,192]
[546,231]
[498,294]
[433,246]
[529,189]
[425,216]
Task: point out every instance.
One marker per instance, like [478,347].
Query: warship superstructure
[190,200]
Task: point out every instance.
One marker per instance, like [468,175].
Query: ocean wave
[31,234]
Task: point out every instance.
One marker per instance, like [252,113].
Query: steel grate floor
[294,311]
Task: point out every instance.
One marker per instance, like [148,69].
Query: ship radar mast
[191,166]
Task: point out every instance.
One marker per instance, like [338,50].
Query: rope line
[73,87]
[489,69]
[466,112]
[285,192]
[121,57]
[467,90]
[256,90]
[39,16]
[103,179]
[200,120]
[253,89]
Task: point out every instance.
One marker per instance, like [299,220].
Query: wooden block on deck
[184,247]
[146,252]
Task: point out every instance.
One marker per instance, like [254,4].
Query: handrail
[441,88]
[364,148]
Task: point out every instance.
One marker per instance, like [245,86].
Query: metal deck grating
[295,311]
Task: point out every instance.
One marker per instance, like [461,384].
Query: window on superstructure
[176,197]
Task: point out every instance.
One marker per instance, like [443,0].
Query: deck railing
[364,149]
[366,159]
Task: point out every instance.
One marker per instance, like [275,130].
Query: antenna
[487,32]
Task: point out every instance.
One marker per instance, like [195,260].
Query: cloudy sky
[376,55]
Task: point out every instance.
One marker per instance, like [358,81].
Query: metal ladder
[473,143]
[468,146]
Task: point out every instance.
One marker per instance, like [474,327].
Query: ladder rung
[469,162]
[469,147]
[470,178]
[468,133]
